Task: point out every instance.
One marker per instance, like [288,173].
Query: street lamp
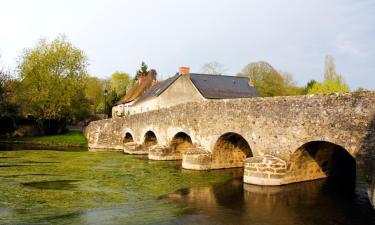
[105,102]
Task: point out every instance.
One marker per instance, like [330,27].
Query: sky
[293,36]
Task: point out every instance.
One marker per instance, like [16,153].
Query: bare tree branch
[215,68]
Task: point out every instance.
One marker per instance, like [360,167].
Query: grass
[71,138]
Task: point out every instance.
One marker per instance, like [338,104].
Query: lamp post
[105,103]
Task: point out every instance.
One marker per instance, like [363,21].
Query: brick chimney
[183,70]
[152,73]
[142,79]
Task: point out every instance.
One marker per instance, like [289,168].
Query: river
[74,186]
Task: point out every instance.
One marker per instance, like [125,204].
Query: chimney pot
[184,70]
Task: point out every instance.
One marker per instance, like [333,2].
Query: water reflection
[316,202]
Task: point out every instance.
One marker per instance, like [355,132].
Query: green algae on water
[67,187]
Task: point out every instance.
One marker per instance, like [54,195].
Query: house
[186,87]
[133,94]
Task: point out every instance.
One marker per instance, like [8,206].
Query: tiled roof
[158,88]
[138,89]
[223,87]
[210,86]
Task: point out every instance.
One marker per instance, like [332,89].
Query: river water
[75,186]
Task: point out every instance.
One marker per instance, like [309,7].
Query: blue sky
[293,36]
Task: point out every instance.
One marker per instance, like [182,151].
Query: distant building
[133,94]
[183,87]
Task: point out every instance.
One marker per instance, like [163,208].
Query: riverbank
[69,139]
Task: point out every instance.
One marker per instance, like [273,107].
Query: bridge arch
[128,138]
[180,143]
[321,159]
[333,137]
[230,150]
[149,139]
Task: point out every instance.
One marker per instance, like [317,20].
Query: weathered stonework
[272,126]
[135,149]
[310,162]
[197,159]
[158,152]
[264,170]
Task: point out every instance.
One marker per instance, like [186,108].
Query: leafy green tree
[94,94]
[8,104]
[53,77]
[112,98]
[309,85]
[333,82]
[3,79]
[3,98]
[268,81]
[8,107]
[143,71]
[120,82]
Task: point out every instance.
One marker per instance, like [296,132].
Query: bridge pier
[371,193]
[135,149]
[159,152]
[269,170]
[265,170]
[313,160]
[197,159]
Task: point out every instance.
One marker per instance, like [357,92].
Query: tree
[8,104]
[3,80]
[112,98]
[310,84]
[330,68]
[215,68]
[94,94]
[333,82]
[120,82]
[53,78]
[143,71]
[359,89]
[268,81]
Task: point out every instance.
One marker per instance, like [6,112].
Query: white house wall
[181,91]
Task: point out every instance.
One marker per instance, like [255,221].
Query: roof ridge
[218,75]
[157,89]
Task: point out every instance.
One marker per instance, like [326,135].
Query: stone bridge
[279,140]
